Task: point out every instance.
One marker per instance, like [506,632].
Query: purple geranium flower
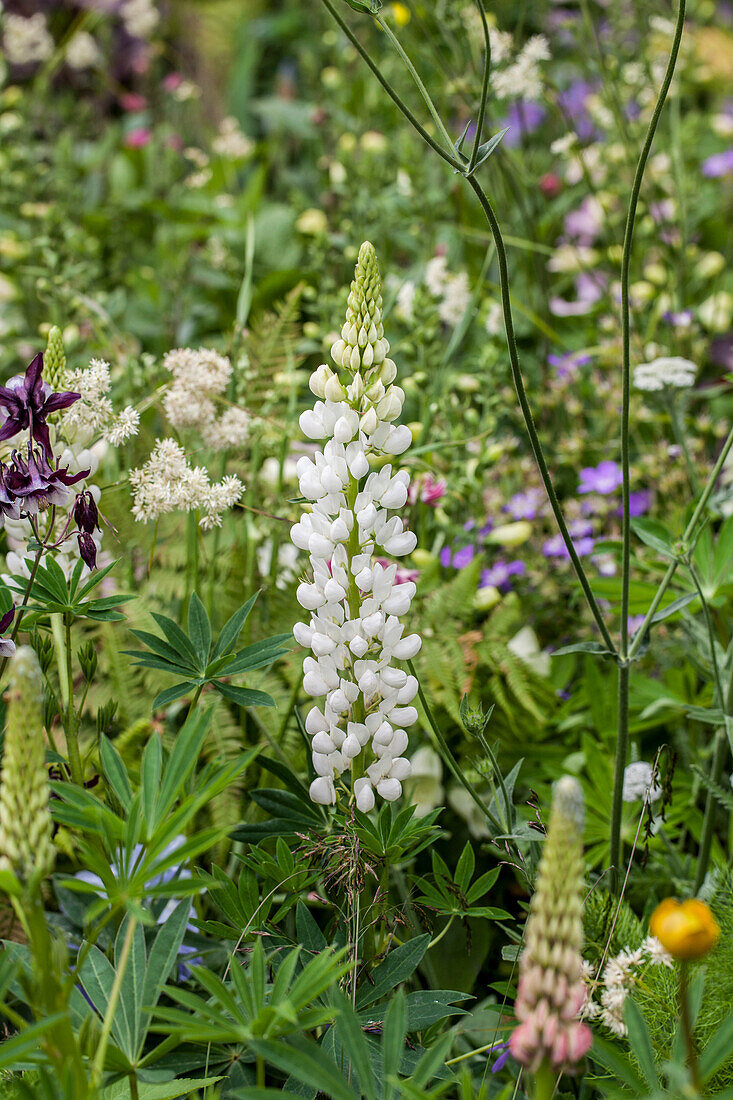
[525,505]
[500,574]
[638,503]
[29,401]
[720,164]
[566,365]
[603,478]
[36,484]
[501,1061]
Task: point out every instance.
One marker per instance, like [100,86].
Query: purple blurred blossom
[585,222]
[500,574]
[501,1061]
[682,319]
[603,478]
[556,548]
[720,351]
[567,365]
[525,505]
[720,164]
[572,102]
[523,118]
[639,503]
[463,557]
[589,288]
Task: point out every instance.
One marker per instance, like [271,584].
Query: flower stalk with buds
[355,632]
[550,1039]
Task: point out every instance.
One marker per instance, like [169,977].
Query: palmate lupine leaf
[192,660]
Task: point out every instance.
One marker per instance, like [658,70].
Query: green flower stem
[418,81]
[720,745]
[71,727]
[626,324]
[114,996]
[484,90]
[544,1083]
[688,533]
[623,680]
[622,748]
[686,1020]
[527,412]
[680,437]
[454,163]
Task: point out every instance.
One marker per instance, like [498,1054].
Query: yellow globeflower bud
[401,14]
[687,930]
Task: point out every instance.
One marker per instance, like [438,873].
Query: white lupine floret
[354,632]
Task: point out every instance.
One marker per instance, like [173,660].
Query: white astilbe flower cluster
[198,377]
[523,77]
[354,631]
[26,41]
[606,996]
[668,371]
[168,483]
[93,415]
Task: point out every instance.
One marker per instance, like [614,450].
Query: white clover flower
[26,41]
[436,275]
[638,783]
[667,371]
[456,299]
[354,630]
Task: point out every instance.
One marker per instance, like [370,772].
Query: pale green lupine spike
[362,345]
[26,847]
[54,360]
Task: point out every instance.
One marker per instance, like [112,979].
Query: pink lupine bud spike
[551,989]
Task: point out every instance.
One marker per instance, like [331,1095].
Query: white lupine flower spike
[354,632]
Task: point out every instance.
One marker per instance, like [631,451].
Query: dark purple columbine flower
[603,478]
[7,645]
[29,401]
[87,548]
[86,514]
[35,484]
[9,507]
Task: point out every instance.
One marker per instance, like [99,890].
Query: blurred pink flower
[137,139]
[133,101]
[172,81]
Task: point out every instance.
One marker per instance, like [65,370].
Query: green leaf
[168,1090]
[232,629]
[181,642]
[309,934]
[199,629]
[182,761]
[371,7]
[641,1042]
[393,1042]
[150,771]
[355,1047]
[20,1047]
[307,1062]
[597,648]
[162,956]
[115,771]
[718,1049]
[97,976]
[399,965]
[654,535]
[617,1063]
[244,697]
[128,1014]
[465,868]
[163,698]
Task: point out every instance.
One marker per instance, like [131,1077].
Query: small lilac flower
[603,478]
[589,289]
[638,503]
[445,556]
[503,1058]
[556,548]
[634,622]
[523,118]
[585,222]
[681,319]
[487,528]
[29,401]
[720,164]
[720,351]
[7,645]
[572,102]
[463,557]
[500,574]
[580,528]
[525,505]
[36,484]
[567,365]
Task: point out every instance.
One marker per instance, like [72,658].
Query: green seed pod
[26,846]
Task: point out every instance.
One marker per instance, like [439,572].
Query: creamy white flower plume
[354,630]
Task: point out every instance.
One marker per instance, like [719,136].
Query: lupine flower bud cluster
[26,847]
[551,989]
[354,631]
